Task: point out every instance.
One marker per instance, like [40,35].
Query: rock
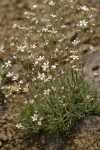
[10,117]
[0,144]
[95,67]
[4,2]
[3,137]
[92,123]
[9,135]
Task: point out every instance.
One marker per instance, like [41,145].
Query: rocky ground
[87,135]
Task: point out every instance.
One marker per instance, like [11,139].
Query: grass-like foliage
[65,101]
[51,78]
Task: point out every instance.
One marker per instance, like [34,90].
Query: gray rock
[0,144]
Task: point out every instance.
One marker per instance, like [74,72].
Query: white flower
[41,76]
[21,82]
[95,74]
[2,49]
[54,31]
[73,52]
[26,102]
[31,101]
[49,25]
[14,57]
[45,30]
[26,89]
[15,26]
[15,77]
[53,67]
[36,62]
[56,50]
[45,65]
[8,87]
[35,96]
[60,40]
[41,118]
[74,57]
[19,125]
[40,58]
[34,117]
[46,92]
[62,72]
[8,63]
[31,56]
[18,88]
[33,46]
[10,74]
[92,48]
[12,43]
[21,48]
[39,123]
[62,87]
[26,13]
[53,16]
[51,3]
[84,8]
[75,42]
[34,6]
[76,69]
[33,79]
[71,1]
[63,26]
[54,88]
[82,23]
[90,16]
[88,96]
[48,78]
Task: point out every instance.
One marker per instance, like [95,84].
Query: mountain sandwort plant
[56,94]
